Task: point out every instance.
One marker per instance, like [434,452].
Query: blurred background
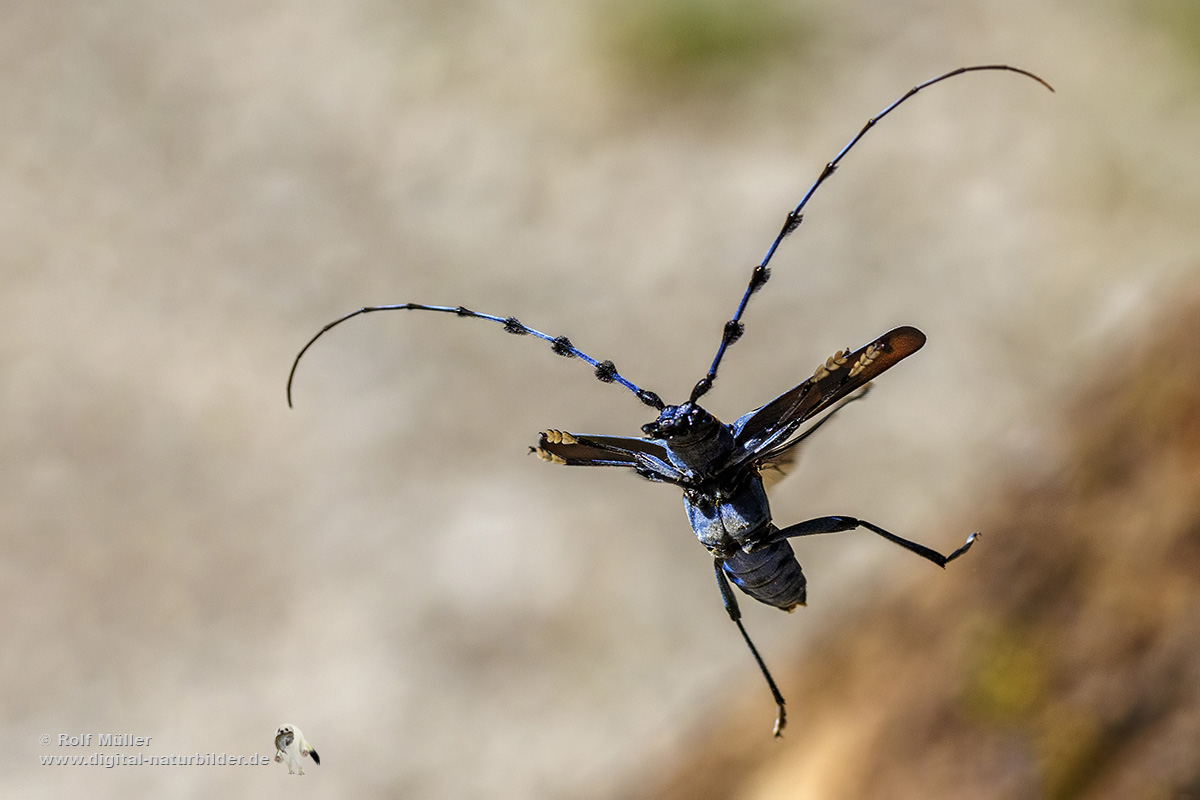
[192,190]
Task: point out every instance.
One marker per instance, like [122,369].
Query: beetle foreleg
[839,524]
[735,614]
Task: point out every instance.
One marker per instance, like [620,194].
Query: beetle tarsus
[966,546]
[735,614]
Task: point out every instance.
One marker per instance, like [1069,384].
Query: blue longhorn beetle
[719,466]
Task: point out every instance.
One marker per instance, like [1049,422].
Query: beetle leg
[839,524]
[735,614]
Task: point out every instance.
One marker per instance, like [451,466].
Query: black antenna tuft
[793,221]
[562,347]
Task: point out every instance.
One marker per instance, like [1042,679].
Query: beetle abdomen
[770,574]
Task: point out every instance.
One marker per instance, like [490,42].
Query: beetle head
[682,424]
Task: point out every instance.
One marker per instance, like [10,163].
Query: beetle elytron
[718,466]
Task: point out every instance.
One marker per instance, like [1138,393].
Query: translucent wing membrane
[768,428]
[775,464]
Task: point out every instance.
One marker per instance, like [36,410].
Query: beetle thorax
[696,441]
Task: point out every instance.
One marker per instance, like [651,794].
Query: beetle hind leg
[840,524]
[735,614]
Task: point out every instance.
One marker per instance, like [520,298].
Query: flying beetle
[720,466]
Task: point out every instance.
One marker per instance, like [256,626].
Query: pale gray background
[191,189]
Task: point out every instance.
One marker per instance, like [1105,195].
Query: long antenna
[761,274]
[606,371]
